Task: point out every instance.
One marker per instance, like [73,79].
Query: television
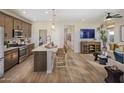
[87,33]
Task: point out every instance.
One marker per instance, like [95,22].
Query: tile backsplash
[18,41]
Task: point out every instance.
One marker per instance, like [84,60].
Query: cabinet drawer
[7,62]
[11,59]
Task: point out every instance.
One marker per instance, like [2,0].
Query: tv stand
[89,46]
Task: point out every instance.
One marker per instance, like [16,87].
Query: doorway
[69,36]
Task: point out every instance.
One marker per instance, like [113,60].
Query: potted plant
[103,34]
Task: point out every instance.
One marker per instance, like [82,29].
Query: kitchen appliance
[22,53]
[17,33]
[1,51]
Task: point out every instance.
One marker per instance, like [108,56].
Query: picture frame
[122,33]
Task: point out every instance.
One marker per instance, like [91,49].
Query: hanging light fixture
[108,17]
[53,26]
[53,19]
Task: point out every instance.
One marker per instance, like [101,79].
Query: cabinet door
[8,27]
[20,25]
[14,56]
[7,62]
[29,49]
[25,29]
[40,61]
[1,19]
[29,30]
[11,59]
[17,24]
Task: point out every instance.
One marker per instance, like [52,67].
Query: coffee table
[113,75]
[103,59]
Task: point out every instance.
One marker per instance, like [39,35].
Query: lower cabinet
[40,61]
[29,49]
[11,59]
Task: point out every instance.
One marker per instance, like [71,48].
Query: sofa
[116,51]
[119,56]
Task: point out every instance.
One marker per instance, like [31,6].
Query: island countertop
[44,57]
[43,48]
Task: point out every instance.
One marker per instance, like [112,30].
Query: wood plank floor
[80,69]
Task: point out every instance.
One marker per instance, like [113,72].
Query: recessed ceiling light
[24,12]
[50,19]
[46,12]
[83,20]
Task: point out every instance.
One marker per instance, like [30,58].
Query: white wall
[118,22]
[81,25]
[57,35]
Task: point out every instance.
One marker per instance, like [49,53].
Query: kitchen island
[44,58]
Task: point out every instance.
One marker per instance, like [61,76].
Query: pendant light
[53,19]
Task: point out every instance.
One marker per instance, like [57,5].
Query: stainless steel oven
[22,53]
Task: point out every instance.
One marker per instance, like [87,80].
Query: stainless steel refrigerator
[1,51]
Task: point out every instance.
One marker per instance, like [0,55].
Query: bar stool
[61,58]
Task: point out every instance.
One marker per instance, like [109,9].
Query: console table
[90,46]
[113,75]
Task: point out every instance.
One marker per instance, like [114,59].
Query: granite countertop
[10,48]
[43,48]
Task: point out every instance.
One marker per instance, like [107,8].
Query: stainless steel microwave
[17,33]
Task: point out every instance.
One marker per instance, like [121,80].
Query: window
[111,36]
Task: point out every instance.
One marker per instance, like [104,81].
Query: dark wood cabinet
[11,59]
[17,24]
[1,19]
[25,29]
[89,46]
[11,23]
[29,30]
[8,26]
[30,47]
[40,61]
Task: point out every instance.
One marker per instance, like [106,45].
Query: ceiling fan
[109,16]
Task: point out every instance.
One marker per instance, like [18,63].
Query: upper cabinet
[11,23]
[29,30]
[8,26]
[1,19]
[17,24]
[26,27]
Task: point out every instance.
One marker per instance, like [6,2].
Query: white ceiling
[65,14]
